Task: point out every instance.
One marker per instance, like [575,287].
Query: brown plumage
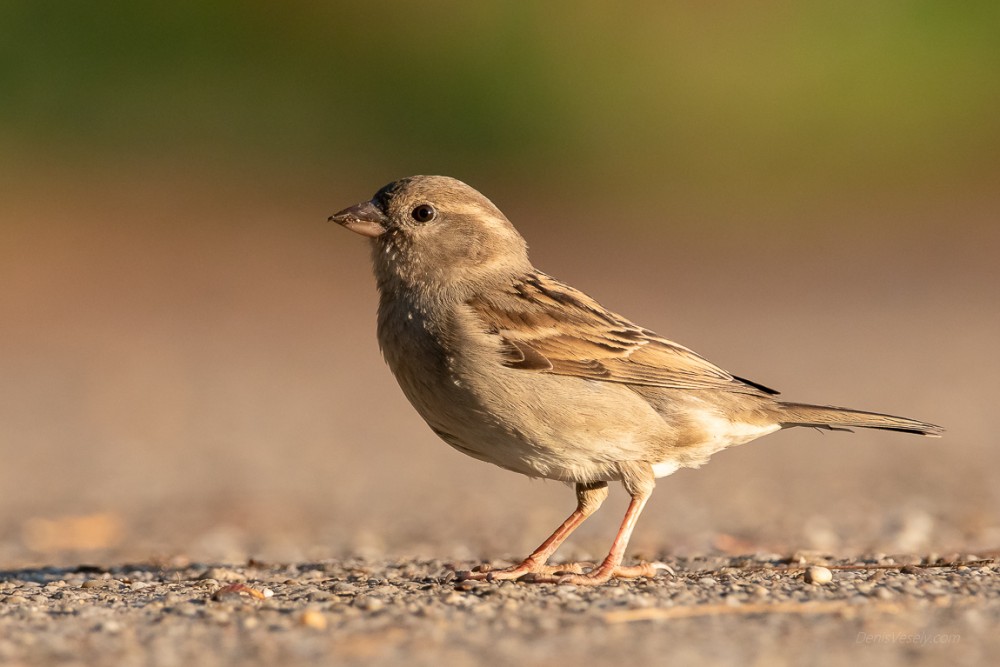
[513,367]
[532,315]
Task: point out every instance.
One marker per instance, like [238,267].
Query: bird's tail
[833,418]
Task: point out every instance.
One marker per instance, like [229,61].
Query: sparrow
[511,366]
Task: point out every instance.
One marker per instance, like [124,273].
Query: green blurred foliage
[703,96]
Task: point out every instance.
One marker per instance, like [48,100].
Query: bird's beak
[365,219]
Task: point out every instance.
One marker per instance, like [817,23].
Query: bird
[515,368]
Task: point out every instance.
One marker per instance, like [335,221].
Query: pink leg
[589,498]
[612,565]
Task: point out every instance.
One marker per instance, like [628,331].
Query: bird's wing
[547,326]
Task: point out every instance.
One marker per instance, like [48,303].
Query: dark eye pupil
[423,213]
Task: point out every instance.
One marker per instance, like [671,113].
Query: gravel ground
[890,609]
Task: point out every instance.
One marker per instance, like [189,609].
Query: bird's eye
[423,213]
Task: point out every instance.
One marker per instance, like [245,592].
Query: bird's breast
[420,349]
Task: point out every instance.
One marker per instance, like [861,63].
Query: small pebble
[344,588]
[218,616]
[311,618]
[221,574]
[817,574]
[369,603]
[110,626]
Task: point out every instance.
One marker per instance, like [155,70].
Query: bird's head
[436,232]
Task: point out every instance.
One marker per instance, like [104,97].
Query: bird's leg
[612,565]
[588,499]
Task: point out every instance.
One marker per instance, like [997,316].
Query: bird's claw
[526,572]
[602,574]
[579,574]
[662,567]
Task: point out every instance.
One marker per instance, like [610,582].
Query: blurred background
[805,193]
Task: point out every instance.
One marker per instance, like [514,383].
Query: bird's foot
[602,574]
[527,569]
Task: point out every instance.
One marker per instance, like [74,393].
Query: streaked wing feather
[547,326]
